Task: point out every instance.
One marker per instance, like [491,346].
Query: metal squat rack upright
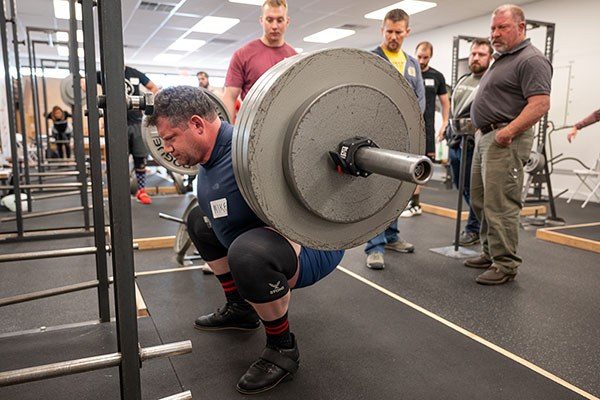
[543,177]
[129,356]
[81,186]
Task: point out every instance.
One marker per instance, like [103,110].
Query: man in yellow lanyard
[394,30]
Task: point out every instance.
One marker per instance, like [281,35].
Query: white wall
[576,47]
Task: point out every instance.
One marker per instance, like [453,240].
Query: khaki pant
[496,186]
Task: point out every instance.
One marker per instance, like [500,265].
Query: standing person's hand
[440,136]
[503,138]
[572,134]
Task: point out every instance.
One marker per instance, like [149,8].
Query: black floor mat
[355,343]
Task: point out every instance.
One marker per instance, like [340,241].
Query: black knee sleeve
[139,163]
[261,262]
[204,237]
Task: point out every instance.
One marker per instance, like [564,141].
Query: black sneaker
[240,316]
[468,238]
[273,367]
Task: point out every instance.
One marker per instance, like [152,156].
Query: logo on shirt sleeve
[412,71]
[219,208]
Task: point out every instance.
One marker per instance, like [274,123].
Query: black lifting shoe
[273,366]
[240,316]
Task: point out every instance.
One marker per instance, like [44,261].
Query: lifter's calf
[262,262]
[236,313]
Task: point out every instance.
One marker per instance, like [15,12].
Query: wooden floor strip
[153,243]
[451,213]
[142,309]
[554,236]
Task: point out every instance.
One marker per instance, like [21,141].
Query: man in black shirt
[137,148]
[435,85]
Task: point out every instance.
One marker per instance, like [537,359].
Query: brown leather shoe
[478,262]
[494,276]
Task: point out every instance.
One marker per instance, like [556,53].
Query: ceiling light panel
[64,36]
[187,44]
[61,10]
[409,6]
[329,35]
[252,2]
[216,25]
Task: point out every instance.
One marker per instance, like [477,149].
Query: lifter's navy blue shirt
[219,196]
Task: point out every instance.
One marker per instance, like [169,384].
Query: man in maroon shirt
[255,58]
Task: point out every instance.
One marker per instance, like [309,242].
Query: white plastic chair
[583,175]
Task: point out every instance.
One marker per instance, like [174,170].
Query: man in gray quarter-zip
[460,125]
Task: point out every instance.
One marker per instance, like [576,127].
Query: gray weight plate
[247,110]
[221,109]
[133,185]
[66,91]
[155,146]
[256,92]
[324,123]
[535,163]
[262,136]
[182,239]
[242,117]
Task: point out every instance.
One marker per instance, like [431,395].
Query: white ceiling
[148,33]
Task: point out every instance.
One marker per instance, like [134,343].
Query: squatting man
[256,266]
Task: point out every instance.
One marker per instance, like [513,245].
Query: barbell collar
[134,102]
[394,164]
[148,101]
[344,158]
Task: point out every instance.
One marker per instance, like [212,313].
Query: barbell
[325,147]
[67,93]
[182,239]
